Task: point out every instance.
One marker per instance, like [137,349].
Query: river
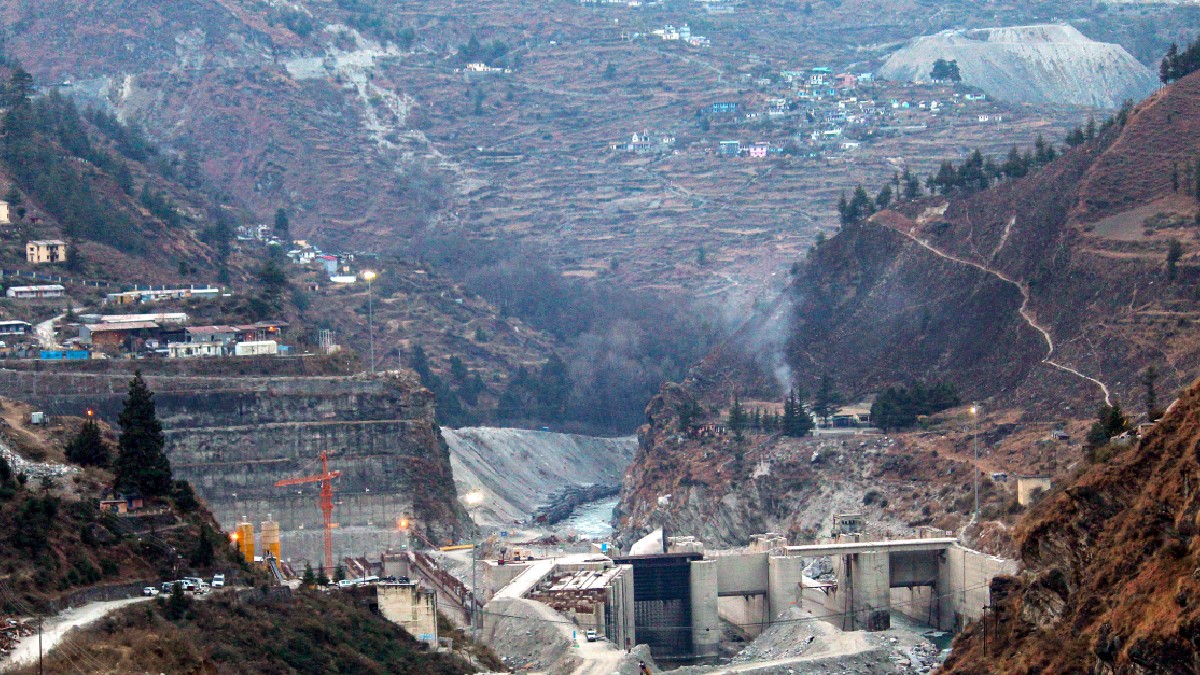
[592,520]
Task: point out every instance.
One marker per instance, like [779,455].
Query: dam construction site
[508,534]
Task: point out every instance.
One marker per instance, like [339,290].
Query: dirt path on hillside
[55,628]
[1024,311]
[45,332]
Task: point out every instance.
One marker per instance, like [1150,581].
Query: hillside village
[598,337]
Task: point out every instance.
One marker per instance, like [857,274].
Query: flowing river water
[592,520]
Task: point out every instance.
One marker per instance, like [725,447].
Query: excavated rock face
[1031,64]
[234,436]
[1112,566]
[706,491]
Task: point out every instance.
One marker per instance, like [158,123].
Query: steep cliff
[1110,582]
[234,436]
[1031,64]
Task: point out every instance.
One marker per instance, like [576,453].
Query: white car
[592,636]
[150,591]
[218,581]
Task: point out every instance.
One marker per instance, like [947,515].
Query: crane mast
[325,478]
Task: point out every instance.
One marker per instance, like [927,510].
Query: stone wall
[233,437]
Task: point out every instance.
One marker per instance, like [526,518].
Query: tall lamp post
[473,500]
[369,275]
[975,452]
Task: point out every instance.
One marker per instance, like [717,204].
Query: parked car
[198,585]
[168,586]
[150,591]
[592,636]
[218,581]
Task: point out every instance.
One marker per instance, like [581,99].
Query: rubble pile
[11,632]
[922,657]
[36,470]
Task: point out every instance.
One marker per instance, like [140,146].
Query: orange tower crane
[325,478]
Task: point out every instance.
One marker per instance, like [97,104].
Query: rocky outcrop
[234,437]
[1031,64]
[1110,582]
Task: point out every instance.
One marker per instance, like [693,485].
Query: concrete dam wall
[234,437]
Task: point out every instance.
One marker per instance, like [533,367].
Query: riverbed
[592,520]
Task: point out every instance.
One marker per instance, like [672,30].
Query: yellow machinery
[270,537]
[244,537]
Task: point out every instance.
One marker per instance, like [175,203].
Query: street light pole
[474,596]
[975,452]
[370,277]
[473,500]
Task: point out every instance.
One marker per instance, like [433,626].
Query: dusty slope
[1110,584]
[518,469]
[1033,64]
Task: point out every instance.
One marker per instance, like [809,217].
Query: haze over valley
[597,336]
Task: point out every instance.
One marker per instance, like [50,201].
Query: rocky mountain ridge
[1030,64]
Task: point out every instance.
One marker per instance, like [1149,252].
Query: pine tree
[1170,62]
[884,199]
[737,419]
[912,185]
[179,603]
[420,363]
[308,579]
[204,555]
[826,400]
[1174,253]
[283,228]
[458,369]
[796,421]
[88,448]
[141,464]
[1149,381]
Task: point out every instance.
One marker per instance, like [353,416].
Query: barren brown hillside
[1110,582]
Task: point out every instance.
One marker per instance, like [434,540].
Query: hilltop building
[46,251]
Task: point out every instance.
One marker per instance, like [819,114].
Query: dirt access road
[56,627]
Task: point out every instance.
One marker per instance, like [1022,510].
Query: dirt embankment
[517,469]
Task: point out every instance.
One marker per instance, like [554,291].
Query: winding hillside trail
[57,627]
[1023,309]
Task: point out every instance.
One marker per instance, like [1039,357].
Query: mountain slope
[1031,64]
[1041,298]
[1110,582]
[1050,290]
